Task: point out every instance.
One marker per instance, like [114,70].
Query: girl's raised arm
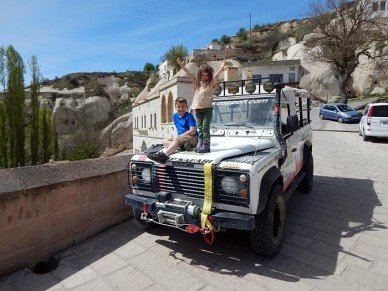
[217,74]
[182,64]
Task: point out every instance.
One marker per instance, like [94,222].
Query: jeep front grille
[188,181]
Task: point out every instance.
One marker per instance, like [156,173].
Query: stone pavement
[336,239]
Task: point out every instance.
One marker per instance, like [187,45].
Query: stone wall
[48,208]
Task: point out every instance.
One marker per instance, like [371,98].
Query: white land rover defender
[261,152]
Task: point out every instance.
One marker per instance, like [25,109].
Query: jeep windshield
[243,112]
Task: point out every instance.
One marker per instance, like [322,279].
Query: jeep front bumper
[179,213]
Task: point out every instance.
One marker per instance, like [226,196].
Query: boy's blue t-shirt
[184,123]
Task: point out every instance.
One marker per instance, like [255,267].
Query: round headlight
[133,166]
[229,185]
[146,175]
[243,178]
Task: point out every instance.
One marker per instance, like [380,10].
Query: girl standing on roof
[204,87]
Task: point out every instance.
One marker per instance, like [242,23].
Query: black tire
[321,116]
[307,183]
[137,213]
[340,119]
[267,235]
[364,136]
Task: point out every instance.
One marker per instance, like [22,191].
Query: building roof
[145,94]
[191,66]
[272,63]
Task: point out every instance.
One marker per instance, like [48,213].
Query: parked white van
[374,122]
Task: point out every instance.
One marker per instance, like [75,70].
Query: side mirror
[292,123]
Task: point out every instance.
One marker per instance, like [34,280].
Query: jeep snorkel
[277,133]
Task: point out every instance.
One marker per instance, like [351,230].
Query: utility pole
[250,25]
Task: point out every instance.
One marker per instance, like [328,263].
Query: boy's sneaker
[187,146]
[159,157]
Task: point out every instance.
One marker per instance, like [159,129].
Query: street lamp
[250,25]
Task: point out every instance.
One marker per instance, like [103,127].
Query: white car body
[374,122]
[261,151]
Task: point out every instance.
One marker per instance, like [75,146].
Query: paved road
[336,239]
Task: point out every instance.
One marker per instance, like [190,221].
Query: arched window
[163,110]
[170,107]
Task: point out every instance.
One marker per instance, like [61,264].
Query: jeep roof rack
[248,87]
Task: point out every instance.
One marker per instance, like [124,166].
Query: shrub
[81,145]
[242,34]
[154,80]
[84,150]
[225,39]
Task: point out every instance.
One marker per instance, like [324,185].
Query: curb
[336,130]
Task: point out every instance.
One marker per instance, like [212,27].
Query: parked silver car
[374,122]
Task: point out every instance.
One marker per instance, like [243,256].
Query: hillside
[94,84]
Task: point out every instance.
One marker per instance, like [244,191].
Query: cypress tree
[46,124]
[14,106]
[3,138]
[35,86]
[56,142]
[3,117]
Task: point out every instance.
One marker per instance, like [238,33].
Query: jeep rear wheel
[137,213]
[307,183]
[267,235]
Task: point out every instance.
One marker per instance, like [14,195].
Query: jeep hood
[223,148]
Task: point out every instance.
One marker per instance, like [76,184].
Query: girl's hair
[207,69]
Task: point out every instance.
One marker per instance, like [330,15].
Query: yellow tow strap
[208,199]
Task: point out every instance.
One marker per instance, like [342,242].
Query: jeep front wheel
[267,235]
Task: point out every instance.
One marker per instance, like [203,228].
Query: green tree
[47,136]
[148,67]
[173,53]
[56,143]
[3,138]
[225,39]
[3,117]
[35,86]
[345,32]
[2,70]
[242,34]
[14,106]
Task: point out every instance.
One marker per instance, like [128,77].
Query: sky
[69,36]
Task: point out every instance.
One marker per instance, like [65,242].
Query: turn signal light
[370,114]
[243,193]
[135,179]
